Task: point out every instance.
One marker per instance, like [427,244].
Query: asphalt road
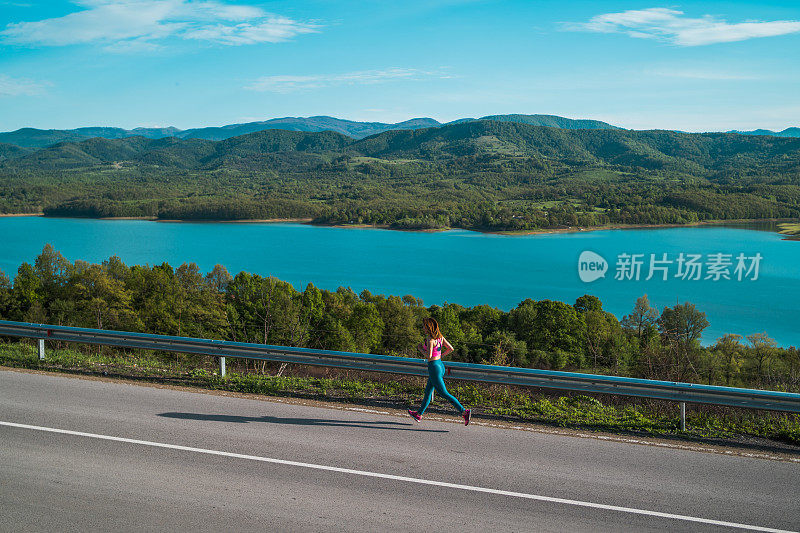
[138,458]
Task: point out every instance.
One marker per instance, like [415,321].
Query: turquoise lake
[456,266]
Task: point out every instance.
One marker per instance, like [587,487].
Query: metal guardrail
[645,388]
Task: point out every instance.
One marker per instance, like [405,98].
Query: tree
[218,278]
[505,350]
[156,296]
[192,306]
[333,335]
[762,349]
[104,300]
[53,271]
[588,302]
[642,318]
[620,351]
[640,325]
[366,327]
[556,325]
[267,310]
[400,333]
[729,350]
[116,268]
[522,320]
[682,327]
[312,313]
[215,317]
[791,359]
[598,332]
[63,312]
[485,318]
[5,296]
[682,322]
[27,291]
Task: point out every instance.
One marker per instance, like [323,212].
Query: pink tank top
[437,348]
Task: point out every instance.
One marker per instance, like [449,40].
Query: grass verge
[606,413]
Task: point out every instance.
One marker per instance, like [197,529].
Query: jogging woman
[432,350]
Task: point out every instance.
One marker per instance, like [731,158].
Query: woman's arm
[430,349]
[448,347]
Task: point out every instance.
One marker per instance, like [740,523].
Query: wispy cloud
[134,25]
[286,84]
[20,86]
[673,26]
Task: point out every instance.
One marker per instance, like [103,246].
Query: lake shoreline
[241,221]
[578,229]
[511,233]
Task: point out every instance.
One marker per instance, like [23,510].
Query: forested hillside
[489,175]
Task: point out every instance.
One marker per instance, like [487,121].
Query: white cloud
[129,25]
[270,30]
[673,26]
[285,84]
[20,86]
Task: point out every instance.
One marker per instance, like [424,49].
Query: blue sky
[693,66]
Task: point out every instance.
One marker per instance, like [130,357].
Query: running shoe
[467,414]
[415,415]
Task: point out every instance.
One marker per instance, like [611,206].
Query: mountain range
[506,143]
[481,174]
[37,138]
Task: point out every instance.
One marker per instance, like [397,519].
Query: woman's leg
[426,400]
[438,383]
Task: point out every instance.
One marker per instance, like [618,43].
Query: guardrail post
[222,366]
[41,349]
[683,416]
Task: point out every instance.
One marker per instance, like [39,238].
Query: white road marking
[365,473]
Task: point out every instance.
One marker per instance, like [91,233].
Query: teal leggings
[436,381]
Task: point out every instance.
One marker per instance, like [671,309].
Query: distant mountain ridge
[350,128]
[698,154]
[36,138]
[550,121]
[32,138]
[788,132]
